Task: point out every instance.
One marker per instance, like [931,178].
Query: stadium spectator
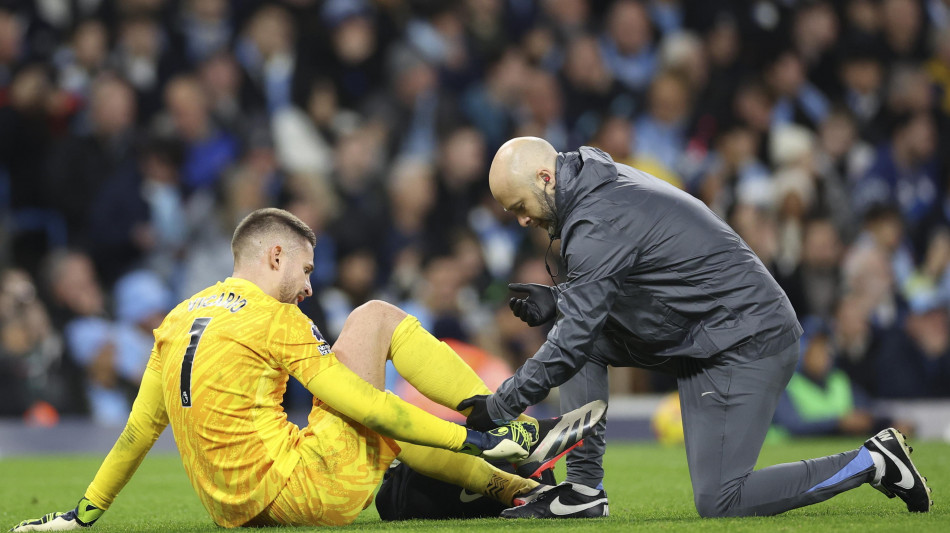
[661,132]
[914,360]
[33,380]
[589,89]
[265,51]
[209,150]
[821,399]
[627,45]
[82,59]
[814,284]
[139,216]
[412,196]
[841,158]
[904,171]
[492,106]
[862,78]
[854,339]
[221,78]
[796,99]
[205,27]
[542,108]
[79,166]
[144,57]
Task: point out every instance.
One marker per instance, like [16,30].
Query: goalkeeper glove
[510,442]
[84,515]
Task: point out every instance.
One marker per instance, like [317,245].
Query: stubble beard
[548,210]
[286,291]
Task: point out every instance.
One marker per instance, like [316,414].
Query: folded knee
[708,506]
[379,312]
[724,506]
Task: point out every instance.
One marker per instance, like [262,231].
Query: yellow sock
[432,366]
[466,471]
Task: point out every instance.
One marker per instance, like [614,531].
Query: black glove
[537,308]
[479,418]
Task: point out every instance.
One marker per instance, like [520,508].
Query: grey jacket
[649,268]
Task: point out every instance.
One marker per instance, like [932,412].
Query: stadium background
[134,134]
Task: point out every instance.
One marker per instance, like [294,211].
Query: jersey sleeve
[146,422]
[297,345]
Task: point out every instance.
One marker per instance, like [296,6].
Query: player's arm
[387,414]
[146,422]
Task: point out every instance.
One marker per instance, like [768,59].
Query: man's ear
[546,177]
[274,257]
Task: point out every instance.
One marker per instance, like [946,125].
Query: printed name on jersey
[232,302]
[322,344]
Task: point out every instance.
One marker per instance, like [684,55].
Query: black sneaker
[900,477]
[531,495]
[567,500]
[557,436]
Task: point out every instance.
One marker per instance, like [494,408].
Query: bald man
[656,280]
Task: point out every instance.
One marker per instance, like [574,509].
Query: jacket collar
[578,174]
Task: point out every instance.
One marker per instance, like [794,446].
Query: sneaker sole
[577,424]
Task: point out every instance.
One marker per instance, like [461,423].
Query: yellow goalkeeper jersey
[225,356]
[217,374]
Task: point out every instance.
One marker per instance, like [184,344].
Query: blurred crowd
[134,134]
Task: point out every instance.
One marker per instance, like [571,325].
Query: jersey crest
[322,344]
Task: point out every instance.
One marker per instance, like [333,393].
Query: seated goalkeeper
[218,371]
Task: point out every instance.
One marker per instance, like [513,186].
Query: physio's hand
[478,419]
[537,307]
[84,515]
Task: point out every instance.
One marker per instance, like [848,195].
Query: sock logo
[466,497]
[496,485]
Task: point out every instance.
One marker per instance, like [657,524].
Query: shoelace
[521,434]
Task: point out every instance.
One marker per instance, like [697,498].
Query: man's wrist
[498,411]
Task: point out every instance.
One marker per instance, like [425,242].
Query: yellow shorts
[341,463]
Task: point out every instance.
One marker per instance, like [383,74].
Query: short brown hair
[267,221]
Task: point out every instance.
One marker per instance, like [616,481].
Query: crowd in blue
[134,134]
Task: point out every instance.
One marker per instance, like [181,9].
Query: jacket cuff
[498,411]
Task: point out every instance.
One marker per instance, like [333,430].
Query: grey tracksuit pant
[727,405]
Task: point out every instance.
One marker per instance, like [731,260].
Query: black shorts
[406,495]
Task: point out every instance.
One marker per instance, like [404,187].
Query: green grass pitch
[648,487]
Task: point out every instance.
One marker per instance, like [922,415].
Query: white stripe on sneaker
[907,479]
[561,509]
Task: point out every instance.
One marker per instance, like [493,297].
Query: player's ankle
[879,466]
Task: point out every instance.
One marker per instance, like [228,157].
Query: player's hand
[496,444]
[478,419]
[84,515]
[537,308]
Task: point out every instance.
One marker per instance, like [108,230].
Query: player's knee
[708,506]
[379,312]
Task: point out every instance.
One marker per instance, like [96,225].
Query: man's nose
[525,221]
